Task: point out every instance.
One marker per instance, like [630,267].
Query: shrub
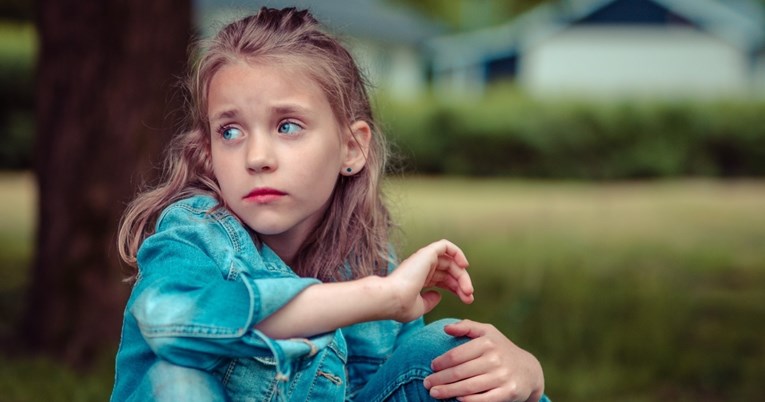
[17,57]
[506,134]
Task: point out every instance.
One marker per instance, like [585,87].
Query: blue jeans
[399,379]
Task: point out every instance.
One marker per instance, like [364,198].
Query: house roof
[370,19]
[739,22]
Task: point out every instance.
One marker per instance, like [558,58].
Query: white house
[386,40]
[676,48]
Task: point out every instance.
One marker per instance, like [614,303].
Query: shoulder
[201,221]
[191,209]
[200,212]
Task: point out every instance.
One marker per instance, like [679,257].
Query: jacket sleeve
[196,302]
[408,329]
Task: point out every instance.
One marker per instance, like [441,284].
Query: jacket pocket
[250,379]
[328,380]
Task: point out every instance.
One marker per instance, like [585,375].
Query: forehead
[264,82]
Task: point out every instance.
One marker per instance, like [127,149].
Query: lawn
[632,291]
[629,291]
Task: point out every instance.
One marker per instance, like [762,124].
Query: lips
[264,195]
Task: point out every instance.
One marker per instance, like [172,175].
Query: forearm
[328,306]
[399,296]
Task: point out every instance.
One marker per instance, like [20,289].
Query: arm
[198,298]
[487,368]
[325,307]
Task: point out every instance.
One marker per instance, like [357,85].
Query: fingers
[489,396]
[450,272]
[483,388]
[455,373]
[456,254]
[468,328]
[488,367]
[472,387]
[466,352]
[476,371]
[440,264]
[458,283]
[447,248]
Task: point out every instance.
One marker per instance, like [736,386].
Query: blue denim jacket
[203,284]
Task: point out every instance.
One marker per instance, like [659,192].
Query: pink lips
[264,195]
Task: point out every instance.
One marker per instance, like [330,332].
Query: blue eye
[230,133]
[289,127]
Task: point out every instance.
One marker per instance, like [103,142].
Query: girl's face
[277,150]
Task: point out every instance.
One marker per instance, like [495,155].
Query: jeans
[399,379]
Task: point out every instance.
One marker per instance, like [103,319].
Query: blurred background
[601,163]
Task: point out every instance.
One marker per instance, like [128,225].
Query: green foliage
[17,58]
[508,134]
[471,14]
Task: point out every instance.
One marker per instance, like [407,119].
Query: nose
[260,155]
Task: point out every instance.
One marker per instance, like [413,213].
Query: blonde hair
[352,239]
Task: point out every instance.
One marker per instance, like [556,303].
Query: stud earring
[349,170]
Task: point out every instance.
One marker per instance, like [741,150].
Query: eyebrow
[286,109]
[226,114]
[290,109]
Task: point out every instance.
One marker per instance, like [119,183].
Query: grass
[633,291]
[637,291]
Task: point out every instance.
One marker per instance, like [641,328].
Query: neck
[285,253]
[286,245]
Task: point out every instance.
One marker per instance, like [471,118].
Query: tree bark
[106,73]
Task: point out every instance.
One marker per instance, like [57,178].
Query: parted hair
[352,238]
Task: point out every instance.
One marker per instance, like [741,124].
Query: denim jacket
[203,285]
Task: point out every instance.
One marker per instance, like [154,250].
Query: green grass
[637,291]
[39,379]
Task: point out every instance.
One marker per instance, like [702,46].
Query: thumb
[430,299]
[457,329]
[467,328]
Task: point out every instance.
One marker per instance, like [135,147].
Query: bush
[17,58]
[507,134]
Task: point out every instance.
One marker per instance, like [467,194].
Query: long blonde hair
[352,239]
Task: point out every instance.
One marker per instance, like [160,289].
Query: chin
[267,230]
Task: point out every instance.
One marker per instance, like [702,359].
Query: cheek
[219,165]
[318,171]
[326,165]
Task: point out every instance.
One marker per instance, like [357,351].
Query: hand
[487,368]
[440,264]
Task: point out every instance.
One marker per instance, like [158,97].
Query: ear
[356,147]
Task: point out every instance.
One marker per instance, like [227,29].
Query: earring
[349,170]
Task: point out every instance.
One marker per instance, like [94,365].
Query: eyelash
[223,127]
[288,122]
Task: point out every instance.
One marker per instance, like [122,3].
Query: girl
[264,269]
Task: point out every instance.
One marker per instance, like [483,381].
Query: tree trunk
[106,73]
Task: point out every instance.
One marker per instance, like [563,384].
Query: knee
[170,382]
[438,326]
[431,341]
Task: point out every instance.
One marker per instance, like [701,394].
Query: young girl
[264,269]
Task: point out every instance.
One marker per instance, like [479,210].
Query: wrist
[377,291]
